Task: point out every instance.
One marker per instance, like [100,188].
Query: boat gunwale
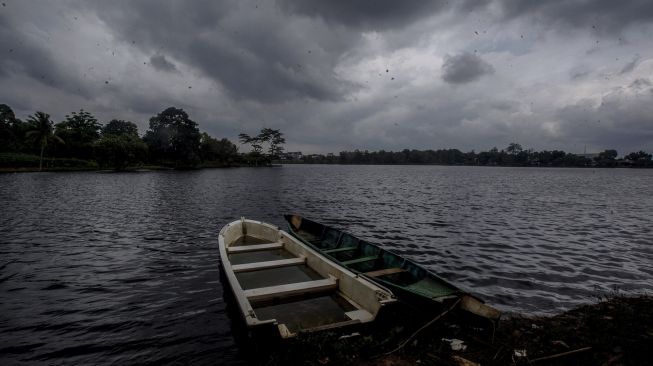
[244,304]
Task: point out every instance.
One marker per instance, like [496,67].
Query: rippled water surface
[108,268]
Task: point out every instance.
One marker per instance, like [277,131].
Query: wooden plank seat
[258,266]
[332,326]
[385,271]
[254,248]
[338,250]
[291,289]
[360,260]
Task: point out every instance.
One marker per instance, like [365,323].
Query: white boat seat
[254,248]
[291,289]
[258,266]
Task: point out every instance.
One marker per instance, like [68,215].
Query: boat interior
[363,257]
[279,280]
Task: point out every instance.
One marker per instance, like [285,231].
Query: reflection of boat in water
[281,283]
[408,280]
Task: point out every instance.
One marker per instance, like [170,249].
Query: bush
[120,151]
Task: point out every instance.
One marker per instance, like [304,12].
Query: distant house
[590,156]
[292,155]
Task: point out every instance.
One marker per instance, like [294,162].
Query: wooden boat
[406,279]
[281,283]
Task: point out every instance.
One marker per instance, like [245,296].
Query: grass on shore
[19,163]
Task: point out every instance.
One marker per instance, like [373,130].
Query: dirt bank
[615,331]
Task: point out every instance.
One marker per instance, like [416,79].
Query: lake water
[122,268]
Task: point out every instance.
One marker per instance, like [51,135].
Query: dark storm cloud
[602,16]
[160,63]
[341,74]
[464,68]
[377,14]
[248,48]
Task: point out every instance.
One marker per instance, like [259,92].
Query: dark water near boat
[107,268]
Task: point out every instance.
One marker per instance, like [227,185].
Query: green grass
[28,162]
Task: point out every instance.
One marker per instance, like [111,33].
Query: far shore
[134,169]
[150,168]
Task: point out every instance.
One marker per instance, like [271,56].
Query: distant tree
[607,158]
[491,157]
[118,151]
[41,132]
[7,115]
[119,147]
[174,137]
[267,135]
[254,141]
[120,127]
[219,151]
[640,158]
[8,138]
[514,148]
[276,140]
[80,130]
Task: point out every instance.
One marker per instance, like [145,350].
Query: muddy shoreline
[614,331]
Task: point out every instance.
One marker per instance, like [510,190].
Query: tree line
[80,141]
[174,140]
[512,155]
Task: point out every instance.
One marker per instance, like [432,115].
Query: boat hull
[408,280]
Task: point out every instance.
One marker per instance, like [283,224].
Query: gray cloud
[270,62]
[464,68]
[641,84]
[379,14]
[630,66]
[160,62]
[602,16]
[621,120]
[578,74]
[29,56]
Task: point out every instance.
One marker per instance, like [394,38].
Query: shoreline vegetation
[617,330]
[174,141]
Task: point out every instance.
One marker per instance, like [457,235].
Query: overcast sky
[340,75]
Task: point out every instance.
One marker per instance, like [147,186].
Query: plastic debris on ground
[456,344]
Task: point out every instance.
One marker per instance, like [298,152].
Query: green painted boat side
[413,283]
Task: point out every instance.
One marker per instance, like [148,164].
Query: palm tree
[42,132]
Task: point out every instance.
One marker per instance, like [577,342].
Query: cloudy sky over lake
[340,75]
